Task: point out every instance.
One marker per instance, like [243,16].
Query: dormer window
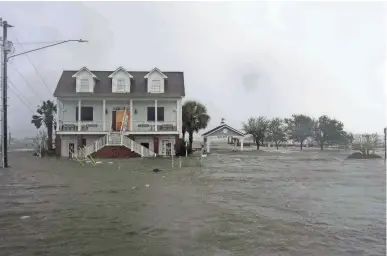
[121,85]
[84,85]
[156,86]
[85,80]
[155,81]
[121,80]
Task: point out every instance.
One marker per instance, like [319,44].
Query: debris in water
[163,176]
[110,162]
[238,159]
[204,155]
[133,187]
[147,185]
[99,162]
[24,217]
[88,161]
[156,170]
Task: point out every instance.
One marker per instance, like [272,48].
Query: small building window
[120,85]
[156,86]
[84,85]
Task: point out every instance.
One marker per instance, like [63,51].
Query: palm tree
[45,116]
[195,118]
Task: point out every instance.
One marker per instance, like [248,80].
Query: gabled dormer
[155,81]
[120,80]
[85,80]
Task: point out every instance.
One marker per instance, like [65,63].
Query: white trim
[155,70]
[85,69]
[118,69]
[224,126]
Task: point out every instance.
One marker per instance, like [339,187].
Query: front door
[166,148]
[117,119]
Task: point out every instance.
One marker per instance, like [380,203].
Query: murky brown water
[236,204]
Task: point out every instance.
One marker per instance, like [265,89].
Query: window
[120,85]
[152,114]
[84,85]
[86,114]
[160,114]
[156,85]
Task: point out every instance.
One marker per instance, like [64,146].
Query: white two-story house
[91,106]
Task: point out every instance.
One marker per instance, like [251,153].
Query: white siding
[85,75]
[141,107]
[121,75]
[67,139]
[158,76]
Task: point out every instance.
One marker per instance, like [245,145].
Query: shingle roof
[174,84]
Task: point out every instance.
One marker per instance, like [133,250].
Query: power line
[16,94]
[36,70]
[14,88]
[25,80]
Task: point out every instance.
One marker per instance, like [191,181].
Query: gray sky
[240,59]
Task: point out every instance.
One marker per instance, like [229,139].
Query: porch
[102,116]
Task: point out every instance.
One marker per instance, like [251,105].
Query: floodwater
[250,203]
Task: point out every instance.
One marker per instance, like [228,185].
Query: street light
[50,45]
[5,59]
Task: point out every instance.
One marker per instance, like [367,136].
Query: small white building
[119,113]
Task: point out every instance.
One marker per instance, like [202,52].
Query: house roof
[173,87]
[155,70]
[87,70]
[222,126]
[118,69]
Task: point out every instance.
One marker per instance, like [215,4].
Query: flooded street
[246,203]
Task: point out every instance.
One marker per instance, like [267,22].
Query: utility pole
[5,49]
[5,26]
[1,90]
[385,143]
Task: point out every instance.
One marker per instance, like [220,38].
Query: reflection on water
[236,204]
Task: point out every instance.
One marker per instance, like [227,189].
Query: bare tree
[366,143]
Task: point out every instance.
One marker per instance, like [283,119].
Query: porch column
[178,125]
[242,141]
[58,110]
[79,115]
[131,115]
[208,145]
[104,115]
[156,115]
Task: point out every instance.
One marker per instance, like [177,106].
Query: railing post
[107,139]
[131,145]
[142,151]
[122,139]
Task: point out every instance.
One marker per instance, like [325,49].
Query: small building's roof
[234,132]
